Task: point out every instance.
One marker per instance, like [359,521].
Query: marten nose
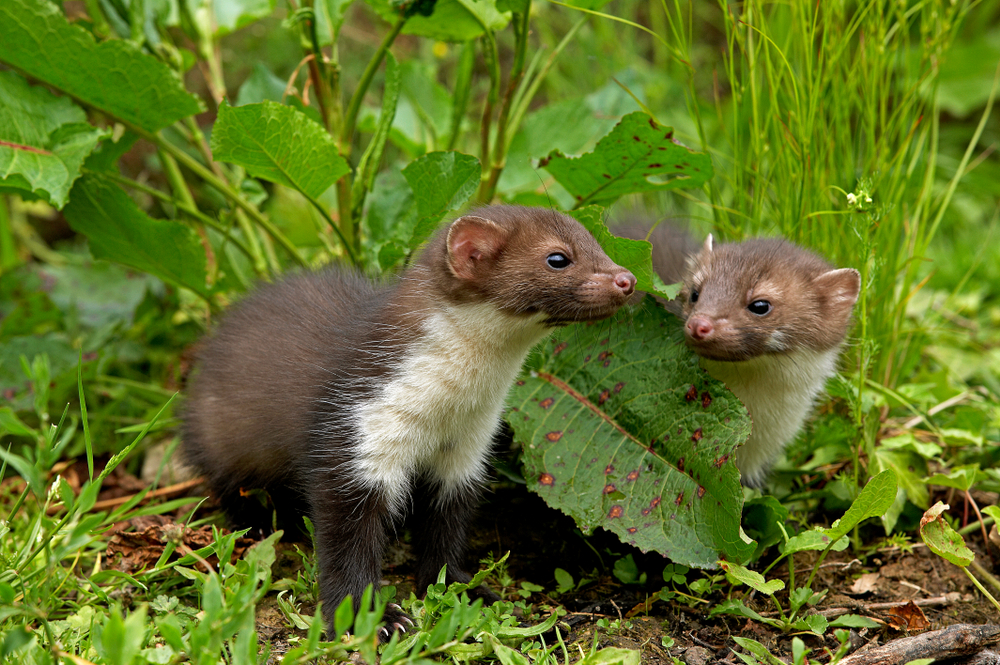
[626,282]
[699,327]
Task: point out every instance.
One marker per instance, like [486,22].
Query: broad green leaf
[993,511]
[942,539]
[636,255]
[441,182]
[813,540]
[43,139]
[638,155]
[874,500]
[621,429]
[817,623]
[736,573]
[113,76]
[451,21]
[119,231]
[961,478]
[231,15]
[26,470]
[279,144]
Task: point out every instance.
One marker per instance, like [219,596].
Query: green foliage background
[157,157]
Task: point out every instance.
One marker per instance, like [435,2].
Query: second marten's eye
[694,296]
[759,307]
[558,261]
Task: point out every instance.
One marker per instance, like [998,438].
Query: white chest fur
[779,391]
[439,410]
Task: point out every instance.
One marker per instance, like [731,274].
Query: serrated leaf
[638,155]
[451,20]
[441,182]
[753,579]
[119,231]
[636,255]
[876,498]
[280,144]
[44,139]
[621,429]
[942,539]
[113,76]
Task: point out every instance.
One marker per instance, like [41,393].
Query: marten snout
[625,281]
[700,327]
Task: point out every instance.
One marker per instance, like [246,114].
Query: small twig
[953,641]
[177,488]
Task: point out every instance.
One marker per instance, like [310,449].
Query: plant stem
[347,132]
[980,586]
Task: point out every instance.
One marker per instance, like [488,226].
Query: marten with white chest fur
[369,401]
[768,319]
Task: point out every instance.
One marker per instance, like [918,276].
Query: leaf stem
[982,589]
[347,133]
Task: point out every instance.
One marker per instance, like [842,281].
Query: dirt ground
[541,539]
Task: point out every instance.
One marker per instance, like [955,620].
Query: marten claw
[400,627]
[408,620]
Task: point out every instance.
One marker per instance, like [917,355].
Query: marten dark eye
[558,261]
[694,296]
[760,307]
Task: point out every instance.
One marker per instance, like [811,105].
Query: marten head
[527,261]
[764,296]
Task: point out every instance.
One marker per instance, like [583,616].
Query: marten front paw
[396,620]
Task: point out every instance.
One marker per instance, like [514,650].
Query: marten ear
[471,241]
[707,247]
[840,290]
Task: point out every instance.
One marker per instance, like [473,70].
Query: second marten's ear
[840,290]
[709,243]
[472,240]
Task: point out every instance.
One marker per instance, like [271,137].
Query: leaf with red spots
[645,437]
[638,155]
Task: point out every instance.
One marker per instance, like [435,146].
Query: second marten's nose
[699,327]
[626,282]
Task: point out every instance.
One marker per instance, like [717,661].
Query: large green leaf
[43,139]
[638,155]
[113,76]
[942,539]
[451,21]
[280,144]
[875,499]
[636,255]
[119,231]
[621,429]
[441,182]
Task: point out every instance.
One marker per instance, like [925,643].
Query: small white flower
[852,199]
[868,199]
